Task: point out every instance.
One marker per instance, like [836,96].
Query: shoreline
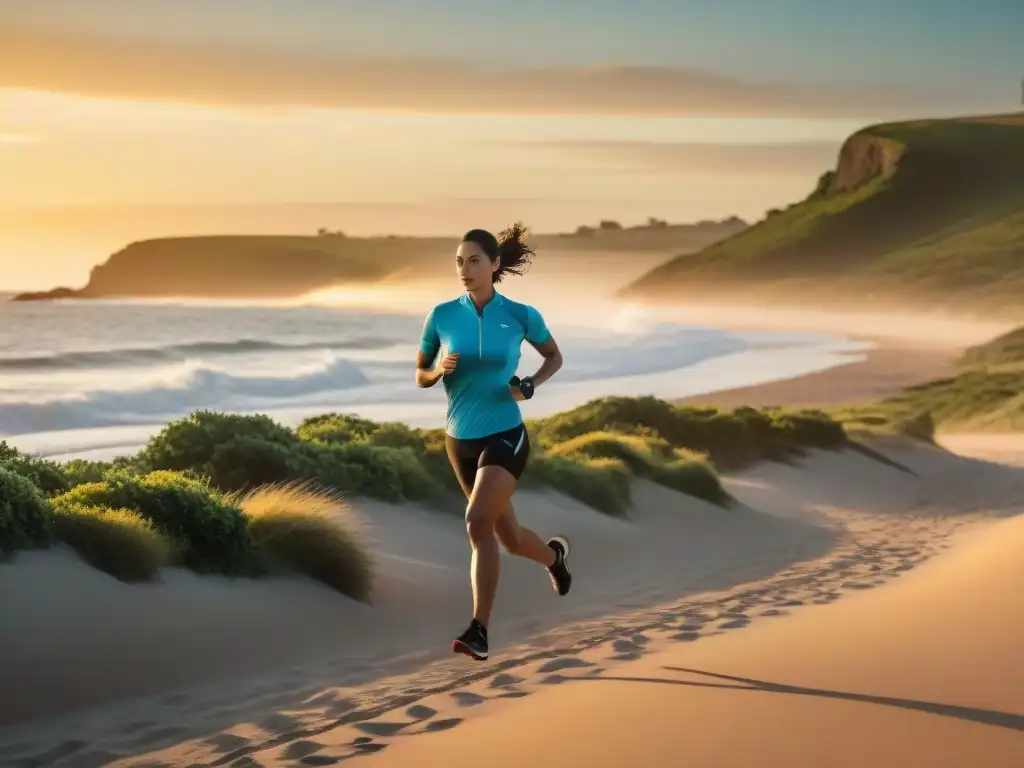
[886,368]
[762,362]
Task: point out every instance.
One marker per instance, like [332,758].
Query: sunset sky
[127,119]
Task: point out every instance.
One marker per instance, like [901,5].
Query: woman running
[481,332]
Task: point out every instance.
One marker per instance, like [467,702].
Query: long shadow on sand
[972,714]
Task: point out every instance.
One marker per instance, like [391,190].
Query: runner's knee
[479,522]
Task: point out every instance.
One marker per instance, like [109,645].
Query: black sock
[480,627]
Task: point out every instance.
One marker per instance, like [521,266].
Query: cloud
[236,75]
[781,159]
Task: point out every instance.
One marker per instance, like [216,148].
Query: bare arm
[427,374]
[552,361]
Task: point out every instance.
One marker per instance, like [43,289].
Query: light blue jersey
[488,343]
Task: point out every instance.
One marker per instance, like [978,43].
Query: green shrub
[638,452]
[209,533]
[25,520]
[310,532]
[240,463]
[604,484]
[731,439]
[336,428]
[649,457]
[389,474]
[626,415]
[79,471]
[117,541]
[435,460]
[234,451]
[45,475]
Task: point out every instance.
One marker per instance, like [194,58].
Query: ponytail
[514,254]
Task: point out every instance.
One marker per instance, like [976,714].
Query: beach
[886,367]
[834,581]
[846,586]
[768,427]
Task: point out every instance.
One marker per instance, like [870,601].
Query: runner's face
[474,268]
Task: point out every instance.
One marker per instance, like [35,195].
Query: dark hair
[508,247]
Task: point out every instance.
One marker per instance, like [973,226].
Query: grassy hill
[261,266]
[925,214]
[985,394]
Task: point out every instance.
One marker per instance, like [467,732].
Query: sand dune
[830,586]
[131,640]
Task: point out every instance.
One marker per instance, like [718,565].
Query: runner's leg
[490,498]
[521,541]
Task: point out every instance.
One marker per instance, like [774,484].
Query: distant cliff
[920,215]
[242,266]
[264,266]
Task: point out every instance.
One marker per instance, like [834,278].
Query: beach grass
[120,542]
[244,496]
[310,531]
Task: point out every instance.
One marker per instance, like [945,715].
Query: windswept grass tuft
[649,457]
[117,541]
[209,533]
[312,532]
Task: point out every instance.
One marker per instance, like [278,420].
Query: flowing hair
[514,254]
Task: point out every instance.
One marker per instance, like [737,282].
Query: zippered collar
[467,301]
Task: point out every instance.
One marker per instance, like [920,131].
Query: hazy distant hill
[246,266]
[925,214]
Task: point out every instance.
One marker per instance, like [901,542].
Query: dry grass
[312,532]
[117,541]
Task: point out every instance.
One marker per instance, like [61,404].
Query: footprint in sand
[685,637]
[321,759]
[442,725]
[563,662]
[380,729]
[467,698]
[420,712]
[737,623]
[504,680]
[300,749]
[626,650]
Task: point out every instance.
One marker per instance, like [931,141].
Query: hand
[447,364]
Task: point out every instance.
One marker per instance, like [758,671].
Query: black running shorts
[508,449]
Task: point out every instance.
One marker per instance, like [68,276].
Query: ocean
[96,379]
